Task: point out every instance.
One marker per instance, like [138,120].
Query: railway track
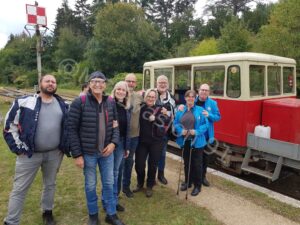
[11,94]
[288,184]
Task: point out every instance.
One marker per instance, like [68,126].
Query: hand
[115,123]
[164,111]
[151,118]
[192,132]
[108,149]
[205,113]
[184,132]
[126,153]
[181,107]
[79,162]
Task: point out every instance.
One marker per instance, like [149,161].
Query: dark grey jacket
[83,125]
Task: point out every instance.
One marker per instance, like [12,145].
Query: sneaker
[149,192]
[48,218]
[128,192]
[205,182]
[120,208]
[93,219]
[113,219]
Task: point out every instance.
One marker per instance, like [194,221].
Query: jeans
[25,172]
[162,159]
[118,158]
[128,162]
[106,167]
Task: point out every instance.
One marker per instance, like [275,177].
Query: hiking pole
[180,168]
[188,178]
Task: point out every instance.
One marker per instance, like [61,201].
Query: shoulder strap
[83,100]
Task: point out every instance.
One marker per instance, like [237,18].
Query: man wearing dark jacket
[33,131]
[93,137]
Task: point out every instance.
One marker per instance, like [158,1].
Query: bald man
[213,115]
[33,131]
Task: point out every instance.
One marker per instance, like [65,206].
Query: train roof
[237,56]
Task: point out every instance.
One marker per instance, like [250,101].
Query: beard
[48,92]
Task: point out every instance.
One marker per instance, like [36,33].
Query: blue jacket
[21,123]
[211,107]
[200,126]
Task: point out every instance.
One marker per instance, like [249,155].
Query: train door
[182,82]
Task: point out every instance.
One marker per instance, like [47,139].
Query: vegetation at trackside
[257,198]
[119,37]
[70,208]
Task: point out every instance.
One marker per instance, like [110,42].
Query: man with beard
[33,131]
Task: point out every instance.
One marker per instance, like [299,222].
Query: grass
[258,198]
[70,207]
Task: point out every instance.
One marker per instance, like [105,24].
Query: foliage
[123,40]
[234,37]
[121,76]
[258,17]
[184,48]
[206,47]
[69,46]
[281,36]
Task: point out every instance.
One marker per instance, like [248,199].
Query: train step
[259,172]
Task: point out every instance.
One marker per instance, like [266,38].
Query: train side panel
[237,119]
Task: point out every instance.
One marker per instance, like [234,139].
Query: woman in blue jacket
[190,126]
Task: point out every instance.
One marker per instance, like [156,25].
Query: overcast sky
[13,15]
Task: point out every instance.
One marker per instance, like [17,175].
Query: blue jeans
[118,157]
[162,159]
[128,164]
[106,166]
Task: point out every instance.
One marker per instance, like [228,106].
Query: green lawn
[70,208]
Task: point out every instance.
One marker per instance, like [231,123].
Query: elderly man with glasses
[212,113]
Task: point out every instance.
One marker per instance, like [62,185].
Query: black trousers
[205,164]
[196,164]
[153,152]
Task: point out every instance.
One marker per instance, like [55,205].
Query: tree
[281,36]
[258,17]
[83,13]
[205,47]
[236,6]
[234,37]
[123,40]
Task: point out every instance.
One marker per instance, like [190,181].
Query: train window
[233,82]
[182,82]
[274,82]
[146,79]
[257,80]
[288,79]
[164,71]
[211,75]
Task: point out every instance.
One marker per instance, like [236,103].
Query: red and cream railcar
[251,89]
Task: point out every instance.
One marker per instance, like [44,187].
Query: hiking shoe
[120,208]
[93,219]
[128,192]
[48,218]
[113,219]
[149,192]
[161,177]
[205,182]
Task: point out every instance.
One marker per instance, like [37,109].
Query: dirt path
[230,209]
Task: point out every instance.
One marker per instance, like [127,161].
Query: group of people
[108,132]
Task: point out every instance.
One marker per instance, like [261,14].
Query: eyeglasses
[151,97]
[97,82]
[206,90]
[130,81]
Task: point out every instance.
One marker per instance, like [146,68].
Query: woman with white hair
[120,94]
[153,119]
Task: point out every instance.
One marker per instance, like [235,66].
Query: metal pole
[38,51]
